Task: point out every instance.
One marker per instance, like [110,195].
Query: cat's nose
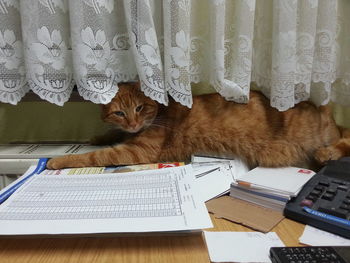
[133,125]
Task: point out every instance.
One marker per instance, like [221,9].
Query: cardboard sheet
[245,213]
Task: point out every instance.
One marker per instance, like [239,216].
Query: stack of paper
[214,176]
[270,187]
[142,201]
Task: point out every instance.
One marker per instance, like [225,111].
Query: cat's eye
[139,108]
[119,113]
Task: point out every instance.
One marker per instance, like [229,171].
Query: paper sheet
[215,175]
[241,246]
[145,201]
[317,237]
[213,180]
[238,167]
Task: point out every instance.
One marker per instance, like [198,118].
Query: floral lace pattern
[294,50]
[13,85]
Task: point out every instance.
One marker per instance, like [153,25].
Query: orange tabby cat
[254,132]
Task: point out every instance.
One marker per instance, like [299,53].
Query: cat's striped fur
[254,132]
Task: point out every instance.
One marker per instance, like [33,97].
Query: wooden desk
[168,249]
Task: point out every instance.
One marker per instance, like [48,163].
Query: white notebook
[288,179]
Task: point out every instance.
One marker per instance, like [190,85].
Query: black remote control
[327,254]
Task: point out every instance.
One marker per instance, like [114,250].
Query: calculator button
[337,182]
[313,198]
[316,192]
[345,207]
[328,196]
[343,187]
[325,183]
[318,187]
[307,202]
[331,191]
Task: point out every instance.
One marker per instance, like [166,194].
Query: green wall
[46,122]
[342,115]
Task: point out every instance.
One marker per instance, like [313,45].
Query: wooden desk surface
[168,249]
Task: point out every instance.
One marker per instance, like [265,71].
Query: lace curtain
[294,50]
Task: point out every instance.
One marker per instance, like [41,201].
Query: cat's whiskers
[160,121]
[159,125]
[165,127]
[163,123]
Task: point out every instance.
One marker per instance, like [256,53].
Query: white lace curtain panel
[294,50]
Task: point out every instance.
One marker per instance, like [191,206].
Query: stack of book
[270,187]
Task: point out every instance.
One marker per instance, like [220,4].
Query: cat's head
[130,110]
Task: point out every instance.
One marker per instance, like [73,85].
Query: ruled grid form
[164,199]
[98,196]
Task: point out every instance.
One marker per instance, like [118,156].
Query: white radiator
[6,179]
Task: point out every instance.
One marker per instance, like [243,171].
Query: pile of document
[142,201]
[129,199]
[270,187]
[213,176]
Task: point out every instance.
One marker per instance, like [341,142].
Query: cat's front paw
[325,154]
[58,163]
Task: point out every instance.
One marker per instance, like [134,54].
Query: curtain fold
[177,55]
[13,84]
[145,47]
[47,50]
[294,50]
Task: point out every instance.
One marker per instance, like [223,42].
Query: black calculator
[324,201]
[325,254]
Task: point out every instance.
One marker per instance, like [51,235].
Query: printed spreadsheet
[166,195]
